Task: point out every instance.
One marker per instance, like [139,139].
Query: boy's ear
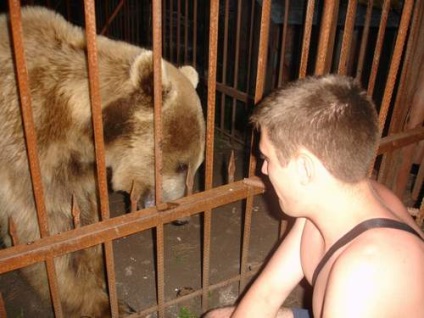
[305,168]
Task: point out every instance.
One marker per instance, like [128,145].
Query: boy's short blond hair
[331,116]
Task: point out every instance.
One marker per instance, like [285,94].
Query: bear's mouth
[147,200]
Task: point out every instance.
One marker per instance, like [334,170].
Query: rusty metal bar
[157,82]
[96,112]
[212,64]
[112,17]
[378,46]
[253,270]
[171,31]
[364,40]
[400,140]
[233,92]
[93,234]
[158,135]
[186,32]
[236,68]
[164,26]
[399,111]
[263,50]
[250,54]
[31,144]
[396,59]
[224,63]
[283,42]
[306,43]
[195,33]
[326,39]
[178,31]
[259,91]
[347,37]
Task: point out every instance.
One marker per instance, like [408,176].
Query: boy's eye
[263,157]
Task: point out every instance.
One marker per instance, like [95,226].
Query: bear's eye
[182,167]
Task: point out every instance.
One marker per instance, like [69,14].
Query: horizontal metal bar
[197,293]
[400,140]
[56,245]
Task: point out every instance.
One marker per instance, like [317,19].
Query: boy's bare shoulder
[379,274]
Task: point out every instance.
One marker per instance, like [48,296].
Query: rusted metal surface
[31,144]
[364,41]
[407,112]
[306,43]
[395,62]
[224,61]
[347,37]
[210,128]
[259,91]
[112,17]
[400,140]
[326,38]
[378,46]
[99,146]
[283,43]
[158,137]
[120,226]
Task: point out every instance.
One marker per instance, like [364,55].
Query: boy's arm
[280,275]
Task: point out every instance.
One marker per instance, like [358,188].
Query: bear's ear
[141,73]
[191,74]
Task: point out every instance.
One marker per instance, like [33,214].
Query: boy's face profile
[282,178]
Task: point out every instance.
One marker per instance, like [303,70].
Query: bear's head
[129,130]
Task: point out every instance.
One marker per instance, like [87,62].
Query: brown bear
[55,54]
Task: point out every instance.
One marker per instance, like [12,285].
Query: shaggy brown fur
[55,53]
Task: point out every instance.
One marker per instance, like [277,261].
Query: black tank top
[356,231]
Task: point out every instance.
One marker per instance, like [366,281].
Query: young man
[353,240]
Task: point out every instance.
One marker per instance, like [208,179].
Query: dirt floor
[135,259]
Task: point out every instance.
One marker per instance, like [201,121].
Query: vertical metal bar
[347,37]
[400,112]
[306,43]
[259,91]
[224,64]
[186,26]
[236,63]
[364,40]
[378,46]
[263,50]
[326,39]
[165,44]
[212,63]
[195,33]
[283,42]
[112,17]
[178,31]
[157,81]
[31,144]
[393,70]
[96,110]
[171,31]
[396,59]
